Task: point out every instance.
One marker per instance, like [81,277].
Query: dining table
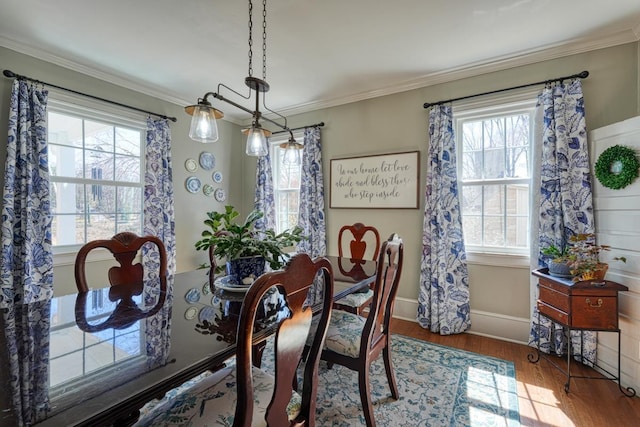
[108,357]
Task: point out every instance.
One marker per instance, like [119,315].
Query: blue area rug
[439,386]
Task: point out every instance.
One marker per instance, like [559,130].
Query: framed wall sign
[379,181]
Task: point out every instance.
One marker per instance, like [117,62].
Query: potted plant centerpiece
[244,248]
[584,256]
[558,261]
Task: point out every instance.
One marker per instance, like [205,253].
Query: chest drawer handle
[599,304]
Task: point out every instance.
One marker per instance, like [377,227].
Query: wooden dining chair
[357,249]
[124,247]
[355,342]
[244,395]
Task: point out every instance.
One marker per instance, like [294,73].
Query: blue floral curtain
[565,204]
[159,221]
[443,301]
[264,199]
[311,216]
[27,261]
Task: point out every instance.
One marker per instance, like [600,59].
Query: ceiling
[319,53]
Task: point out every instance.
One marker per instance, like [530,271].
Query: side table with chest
[587,305]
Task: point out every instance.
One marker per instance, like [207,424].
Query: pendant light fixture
[292,150]
[203,122]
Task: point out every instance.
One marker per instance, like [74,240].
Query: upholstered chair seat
[212,402]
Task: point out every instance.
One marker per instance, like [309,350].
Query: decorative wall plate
[192,296]
[207,160]
[217,177]
[206,289]
[193,184]
[207,189]
[220,195]
[207,313]
[191,313]
[191,165]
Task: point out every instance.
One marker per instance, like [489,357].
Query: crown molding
[575,46]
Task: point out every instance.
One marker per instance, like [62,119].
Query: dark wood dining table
[106,361]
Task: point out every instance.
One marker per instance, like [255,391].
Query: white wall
[618,225]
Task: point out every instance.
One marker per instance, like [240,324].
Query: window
[494,172]
[95,164]
[286,184]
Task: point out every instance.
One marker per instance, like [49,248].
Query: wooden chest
[579,305]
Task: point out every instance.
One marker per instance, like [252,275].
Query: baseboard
[492,325]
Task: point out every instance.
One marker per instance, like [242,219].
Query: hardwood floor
[542,399]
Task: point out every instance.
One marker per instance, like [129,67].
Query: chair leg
[388,366]
[365,395]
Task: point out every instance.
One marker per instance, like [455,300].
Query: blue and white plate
[192,296]
[217,177]
[193,184]
[219,195]
[207,313]
[231,284]
[207,160]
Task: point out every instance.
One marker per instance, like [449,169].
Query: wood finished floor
[542,399]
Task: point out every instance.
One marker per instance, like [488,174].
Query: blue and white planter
[246,269]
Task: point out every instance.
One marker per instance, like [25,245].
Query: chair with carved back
[127,279]
[242,394]
[355,342]
[365,242]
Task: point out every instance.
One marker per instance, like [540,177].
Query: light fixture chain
[264,40]
[251,39]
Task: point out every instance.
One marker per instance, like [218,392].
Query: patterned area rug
[439,386]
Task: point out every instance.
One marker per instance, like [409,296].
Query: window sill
[498,260]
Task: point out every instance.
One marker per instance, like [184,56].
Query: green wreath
[617,167]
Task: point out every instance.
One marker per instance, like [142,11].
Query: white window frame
[86,108]
[275,142]
[515,102]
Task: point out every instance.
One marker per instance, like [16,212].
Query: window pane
[99,226]
[67,197]
[99,165]
[128,141]
[127,169]
[65,161]
[494,231]
[98,136]
[472,151]
[129,199]
[472,229]
[67,230]
[494,148]
[493,199]
[472,200]
[64,130]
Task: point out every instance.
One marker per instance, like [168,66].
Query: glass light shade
[204,127]
[257,142]
[291,155]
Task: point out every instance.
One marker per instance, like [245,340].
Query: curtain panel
[565,205]
[443,300]
[264,200]
[159,221]
[27,261]
[311,216]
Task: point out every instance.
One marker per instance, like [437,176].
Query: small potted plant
[244,248]
[584,256]
[558,261]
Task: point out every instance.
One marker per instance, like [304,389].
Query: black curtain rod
[10,74]
[300,127]
[582,75]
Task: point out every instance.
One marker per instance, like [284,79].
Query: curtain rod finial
[9,73]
